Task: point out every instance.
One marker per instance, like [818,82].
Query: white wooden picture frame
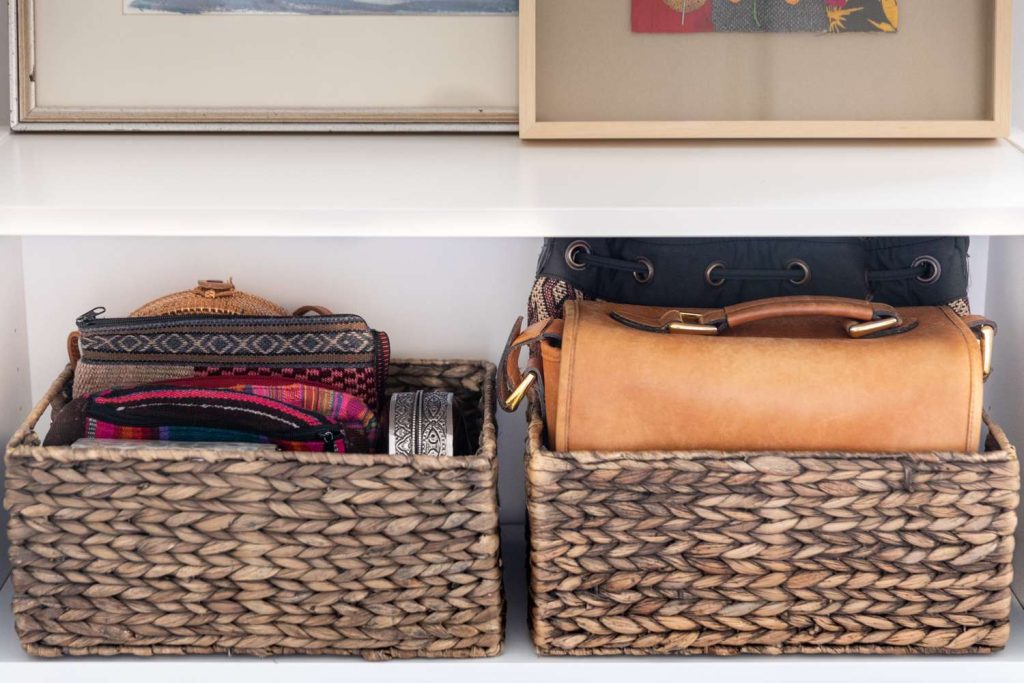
[69,71]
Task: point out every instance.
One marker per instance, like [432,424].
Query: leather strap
[305,310]
[976,322]
[74,350]
[798,307]
[211,289]
[511,375]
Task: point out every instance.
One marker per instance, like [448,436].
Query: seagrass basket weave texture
[189,551]
[728,553]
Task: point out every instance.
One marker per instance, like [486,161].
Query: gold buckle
[872,327]
[519,393]
[987,338]
[690,323]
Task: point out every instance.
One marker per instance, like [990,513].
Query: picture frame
[597,84]
[62,82]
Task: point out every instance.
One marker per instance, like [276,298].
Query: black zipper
[92,319]
[327,432]
[330,438]
[89,317]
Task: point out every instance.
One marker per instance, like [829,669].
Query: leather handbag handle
[865,318]
[74,350]
[514,383]
[802,307]
[306,310]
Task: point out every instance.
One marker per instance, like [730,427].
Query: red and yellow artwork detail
[765,16]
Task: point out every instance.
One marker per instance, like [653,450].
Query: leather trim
[510,375]
[909,324]
[974,379]
[798,306]
[74,349]
[565,377]
[305,310]
[976,322]
[658,325]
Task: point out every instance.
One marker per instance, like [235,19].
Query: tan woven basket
[770,553]
[192,552]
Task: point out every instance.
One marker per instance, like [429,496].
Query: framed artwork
[364,65]
[765,68]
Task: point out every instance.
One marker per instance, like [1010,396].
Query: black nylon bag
[718,272]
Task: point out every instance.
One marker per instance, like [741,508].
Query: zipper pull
[330,441]
[86,318]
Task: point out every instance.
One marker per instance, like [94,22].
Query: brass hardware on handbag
[515,398]
[689,323]
[795,373]
[987,337]
[861,330]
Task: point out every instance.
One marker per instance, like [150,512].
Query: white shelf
[496,186]
[518,664]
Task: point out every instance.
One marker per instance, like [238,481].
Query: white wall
[436,298]
[1004,396]
[15,395]
[977,288]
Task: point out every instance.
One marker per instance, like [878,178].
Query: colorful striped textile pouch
[340,352]
[336,406]
[257,413]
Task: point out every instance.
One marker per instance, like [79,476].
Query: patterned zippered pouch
[339,352]
[293,416]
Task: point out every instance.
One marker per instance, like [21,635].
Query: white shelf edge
[519,662]
[511,223]
[496,186]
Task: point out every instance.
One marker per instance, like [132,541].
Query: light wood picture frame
[72,69]
[595,83]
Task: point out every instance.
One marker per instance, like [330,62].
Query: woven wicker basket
[770,553]
[192,552]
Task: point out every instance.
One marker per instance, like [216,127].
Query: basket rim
[536,449]
[484,459]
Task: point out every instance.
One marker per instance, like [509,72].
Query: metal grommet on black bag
[573,250]
[934,271]
[648,275]
[805,276]
[709,274]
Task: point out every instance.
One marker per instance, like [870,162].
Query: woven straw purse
[210,297]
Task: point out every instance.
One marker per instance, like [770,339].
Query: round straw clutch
[210,297]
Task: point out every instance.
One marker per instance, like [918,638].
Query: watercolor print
[766,16]
[322,6]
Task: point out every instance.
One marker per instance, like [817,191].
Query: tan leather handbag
[788,374]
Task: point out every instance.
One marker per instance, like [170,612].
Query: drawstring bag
[720,272]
